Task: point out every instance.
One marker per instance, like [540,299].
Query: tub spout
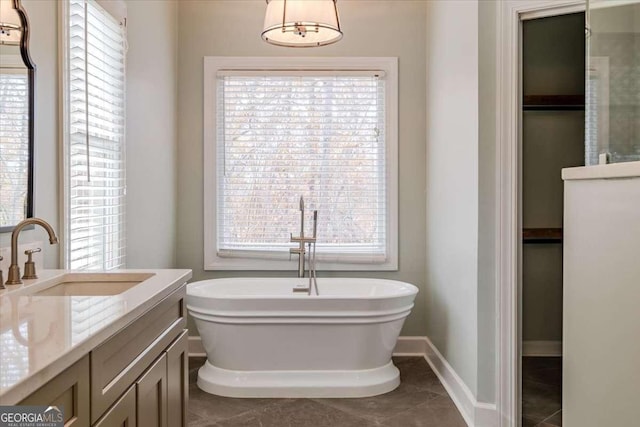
[300,250]
[310,242]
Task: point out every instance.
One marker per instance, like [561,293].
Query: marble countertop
[42,335]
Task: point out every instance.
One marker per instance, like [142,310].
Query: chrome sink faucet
[301,251]
[13,276]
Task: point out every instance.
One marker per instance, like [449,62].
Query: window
[94,135]
[280,128]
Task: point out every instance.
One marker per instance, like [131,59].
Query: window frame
[214,64]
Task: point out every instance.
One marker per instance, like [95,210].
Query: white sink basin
[91,284]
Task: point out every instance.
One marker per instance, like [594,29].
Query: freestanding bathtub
[264,340]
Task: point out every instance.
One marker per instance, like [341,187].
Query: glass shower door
[613,82]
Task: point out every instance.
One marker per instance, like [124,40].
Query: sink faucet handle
[30,252]
[30,266]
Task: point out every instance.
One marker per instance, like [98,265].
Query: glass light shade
[10,26]
[301,23]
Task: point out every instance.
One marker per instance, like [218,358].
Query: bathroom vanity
[110,348]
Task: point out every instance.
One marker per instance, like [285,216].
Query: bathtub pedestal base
[351,383]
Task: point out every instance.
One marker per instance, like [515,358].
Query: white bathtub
[263,340]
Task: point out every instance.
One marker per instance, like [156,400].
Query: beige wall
[152,76]
[151,130]
[372,28]
[487,115]
[452,184]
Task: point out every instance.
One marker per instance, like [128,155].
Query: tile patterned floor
[541,391]
[420,401]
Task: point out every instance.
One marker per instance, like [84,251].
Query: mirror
[17,78]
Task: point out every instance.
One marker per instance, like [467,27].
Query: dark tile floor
[541,391]
[419,401]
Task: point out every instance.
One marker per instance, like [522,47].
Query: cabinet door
[69,390]
[178,381]
[151,399]
[122,413]
[120,360]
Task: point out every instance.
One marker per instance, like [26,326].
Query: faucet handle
[30,252]
[303,240]
[30,266]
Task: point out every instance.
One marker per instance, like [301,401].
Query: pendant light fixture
[301,23]
[10,26]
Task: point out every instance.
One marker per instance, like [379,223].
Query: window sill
[234,264]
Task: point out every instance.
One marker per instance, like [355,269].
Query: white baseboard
[410,346]
[542,348]
[475,414]
[195,347]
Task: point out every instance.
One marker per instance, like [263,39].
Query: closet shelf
[553,102]
[542,235]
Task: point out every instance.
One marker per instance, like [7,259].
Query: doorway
[552,132]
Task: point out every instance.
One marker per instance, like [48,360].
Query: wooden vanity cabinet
[159,396]
[151,395]
[122,413]
[69,390]
[137,377]
[178,381]
[120,360]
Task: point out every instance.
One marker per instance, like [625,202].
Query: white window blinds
[14,149]
[95,163]
[320,134]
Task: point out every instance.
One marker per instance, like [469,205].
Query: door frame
[511,13]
